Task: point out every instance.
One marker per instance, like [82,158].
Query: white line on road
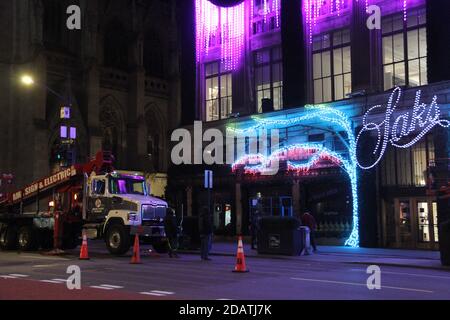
[101,287]
[60,280]
[18,275]
[51,281]
[152,294]
[406,274]
[360,284]
[8,277]
[163,292]
[111,286]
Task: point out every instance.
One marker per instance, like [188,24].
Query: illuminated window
[219,92]
[269,78]
[332,70]
[408,167]
[405,50]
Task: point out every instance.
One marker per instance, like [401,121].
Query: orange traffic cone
[136,258]
[84,248]
[240,261]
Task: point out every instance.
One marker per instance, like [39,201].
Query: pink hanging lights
[224,25]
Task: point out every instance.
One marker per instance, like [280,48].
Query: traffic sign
[208,179]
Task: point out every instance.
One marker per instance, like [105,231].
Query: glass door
[427,222]
[423,222]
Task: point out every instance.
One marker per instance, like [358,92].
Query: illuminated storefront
[363,141]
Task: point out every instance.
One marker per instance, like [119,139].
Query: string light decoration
[313,9]
[397,131]
[224,23]
[269,7]
[257,162]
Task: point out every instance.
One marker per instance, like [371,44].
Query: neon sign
[402,131]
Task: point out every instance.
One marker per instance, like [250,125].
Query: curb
[443,268]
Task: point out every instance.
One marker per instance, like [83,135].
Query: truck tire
[8,238]
[161,246]
[118,239]
[27,239]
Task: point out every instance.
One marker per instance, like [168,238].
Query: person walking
[205,230]
[309,221]
[171,229]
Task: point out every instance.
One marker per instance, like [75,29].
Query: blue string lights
[324,114]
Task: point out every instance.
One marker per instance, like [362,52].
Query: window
[127,186]
[405,50]
[98,187]
[272,19]
[332,73]
[408,167]
[269,78]
[219,93]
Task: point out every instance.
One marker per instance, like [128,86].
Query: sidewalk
[367,256]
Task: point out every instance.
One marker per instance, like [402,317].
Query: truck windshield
[127,186]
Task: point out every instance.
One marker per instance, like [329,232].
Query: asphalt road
[34,276]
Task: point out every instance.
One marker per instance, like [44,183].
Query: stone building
[120,73]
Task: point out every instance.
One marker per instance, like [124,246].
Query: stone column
[296,198]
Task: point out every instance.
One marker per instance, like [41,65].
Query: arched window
[116,46]
[112,127]
[153,55]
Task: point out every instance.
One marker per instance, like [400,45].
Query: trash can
[444,243]
[279,236]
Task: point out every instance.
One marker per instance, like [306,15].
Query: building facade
[372,176]
[119,74]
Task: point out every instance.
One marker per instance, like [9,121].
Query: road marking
[8,277]
[51,281]
[101,287]
[60,280]
[18,275]
[360,284]
[111,286]
[152,294]
[40,257]
[407,274]
[163,292]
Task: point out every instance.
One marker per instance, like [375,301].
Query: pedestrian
[309,221]
[254,227]
[171,229]
[205,230]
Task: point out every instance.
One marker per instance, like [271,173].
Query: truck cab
[118,205]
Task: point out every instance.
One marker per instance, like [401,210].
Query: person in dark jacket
[206,231]
[171,229]
[309,221]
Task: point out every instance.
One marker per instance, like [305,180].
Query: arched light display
[324,114]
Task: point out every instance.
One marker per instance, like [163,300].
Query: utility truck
[105,203]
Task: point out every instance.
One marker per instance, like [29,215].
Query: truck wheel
[161,247]
[117,240]
[8,238]
[27,239]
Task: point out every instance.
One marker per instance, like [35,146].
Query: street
[321,276]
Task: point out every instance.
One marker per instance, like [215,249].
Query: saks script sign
[45,183]
[401,130]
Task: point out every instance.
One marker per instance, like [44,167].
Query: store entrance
[417,223]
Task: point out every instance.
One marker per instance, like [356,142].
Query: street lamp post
[68,133]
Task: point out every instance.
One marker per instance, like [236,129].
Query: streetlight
[68,134]
[27,80]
